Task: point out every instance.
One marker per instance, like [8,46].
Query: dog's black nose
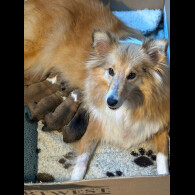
[111,101]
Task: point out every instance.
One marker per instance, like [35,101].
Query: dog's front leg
[161,142]
[86,147]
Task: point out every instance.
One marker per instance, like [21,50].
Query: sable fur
[57,36]
[63,114]
[143,104]
[144,100]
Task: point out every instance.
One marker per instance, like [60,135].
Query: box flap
[158,185]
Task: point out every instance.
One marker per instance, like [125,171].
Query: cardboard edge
[93,180]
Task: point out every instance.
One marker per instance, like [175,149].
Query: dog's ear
[156,49]
[102,41]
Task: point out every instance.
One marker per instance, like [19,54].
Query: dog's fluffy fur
[126,85]
[57,35]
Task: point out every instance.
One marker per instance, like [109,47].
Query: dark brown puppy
[77,127]
[64,113]
[46,105]
[35,92]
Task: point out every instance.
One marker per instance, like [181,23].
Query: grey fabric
[30,146]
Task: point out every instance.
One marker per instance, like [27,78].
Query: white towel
[144,20]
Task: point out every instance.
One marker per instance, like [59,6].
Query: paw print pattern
[65,160]
[144,158]
[110,174]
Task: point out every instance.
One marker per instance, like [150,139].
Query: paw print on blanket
[144,158]
[117,173]
[66,160]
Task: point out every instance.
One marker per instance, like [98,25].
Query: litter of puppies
[58,105]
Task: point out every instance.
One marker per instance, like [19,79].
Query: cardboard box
[116,186]
[150,185]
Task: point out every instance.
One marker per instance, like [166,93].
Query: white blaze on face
[107,77]
[112,92]
[74,96]
[52,80]
[162,164]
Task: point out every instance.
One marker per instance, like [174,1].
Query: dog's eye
[111,72]
[132,75]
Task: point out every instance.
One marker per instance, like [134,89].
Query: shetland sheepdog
[125,85]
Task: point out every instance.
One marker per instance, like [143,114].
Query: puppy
[46,105]
[77,126]
[64,113]
[36,91]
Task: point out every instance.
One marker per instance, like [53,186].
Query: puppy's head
[124,71]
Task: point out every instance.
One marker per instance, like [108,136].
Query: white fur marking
[107,77]
[80,167]
[74,96]
[63,97]
[112,92]
[119,129]
[52,80]
[158,77]
[162,164]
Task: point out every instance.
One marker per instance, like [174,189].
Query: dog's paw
[144,158]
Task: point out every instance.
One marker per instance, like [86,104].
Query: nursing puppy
[64,113]
[36,91]
[45,105]
[126,85]
[77,126]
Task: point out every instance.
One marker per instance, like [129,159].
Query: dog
[125,85]
[127,93]
[57,36]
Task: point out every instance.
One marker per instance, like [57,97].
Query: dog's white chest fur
[119,129]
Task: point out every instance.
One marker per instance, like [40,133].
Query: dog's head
[123,71]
